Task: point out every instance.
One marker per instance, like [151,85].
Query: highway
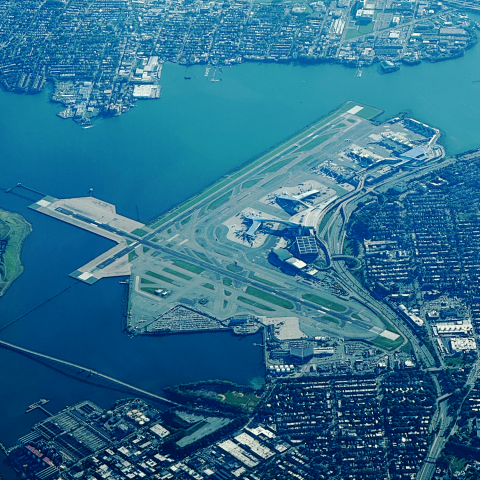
[334,231]
[429,464]
[444,420]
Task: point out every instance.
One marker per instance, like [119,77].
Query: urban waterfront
[144,156]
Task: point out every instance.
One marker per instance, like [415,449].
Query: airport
[267,241]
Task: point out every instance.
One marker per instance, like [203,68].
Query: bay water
[153,157]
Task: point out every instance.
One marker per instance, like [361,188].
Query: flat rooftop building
[307,245]
[301,350]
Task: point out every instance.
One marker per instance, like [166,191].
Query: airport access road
[352,285]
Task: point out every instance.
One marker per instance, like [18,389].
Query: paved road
[429,464]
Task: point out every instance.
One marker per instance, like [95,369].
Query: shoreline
[104,111]
[10,255]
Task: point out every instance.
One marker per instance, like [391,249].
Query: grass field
[263,280]
[325,220]
[249,400]
[368,112]
[255,304]
[139,232]
[316,142]
[268,297]
[458,464]
[407,348]
[352,33]
[454,361]
[234,268]
[177,274]
[366,29]
[348,246]
[331,319]
[132,256]
[386,343]
[159,277]
[209,286]
[145,280]
[227,293]
[13,229]
[188,266]
[220,201]
[336,307]
[202,256]
[278,165]
[305,160]
[387,324]
[186,220]
[250,183]
[227,281]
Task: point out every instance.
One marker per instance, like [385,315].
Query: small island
[13,231]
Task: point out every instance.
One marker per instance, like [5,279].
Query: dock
[40,405]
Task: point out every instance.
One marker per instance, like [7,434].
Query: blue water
[157,155]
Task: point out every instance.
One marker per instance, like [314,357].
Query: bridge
[85,374]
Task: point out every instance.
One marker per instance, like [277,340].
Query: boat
[207,71]
[187,78]
[88,126]
[213,79]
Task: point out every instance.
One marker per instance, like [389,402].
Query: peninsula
[13,231]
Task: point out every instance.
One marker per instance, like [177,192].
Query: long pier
[19,185]
[92,375]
